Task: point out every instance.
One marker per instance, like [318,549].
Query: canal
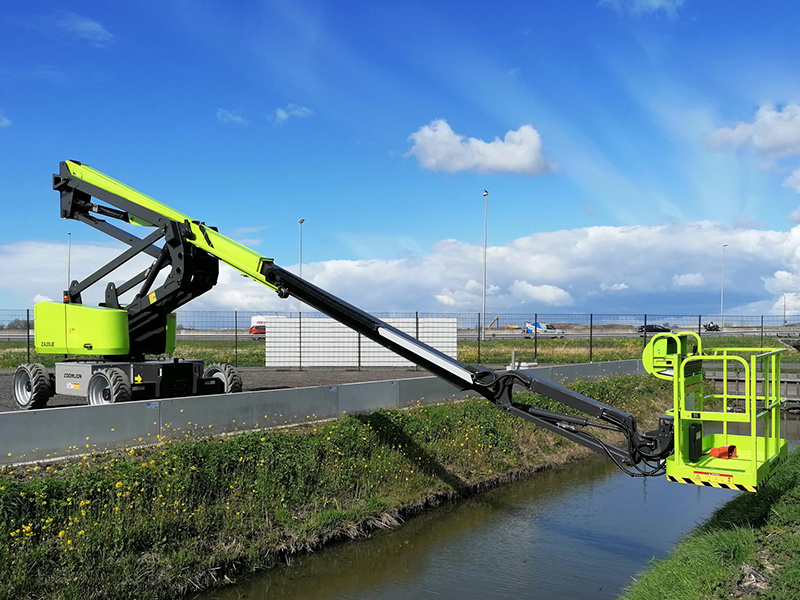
[583,531]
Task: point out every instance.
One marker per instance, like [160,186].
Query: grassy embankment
[158,522]
[250,353]
[749,548]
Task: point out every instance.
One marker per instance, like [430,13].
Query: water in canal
[580,532]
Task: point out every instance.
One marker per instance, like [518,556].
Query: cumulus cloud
[438,148]
[83,28]
[773,133]
[225,115]
[640,7]
[793,182]
[4,121]
[292,111]
[782,282]
[688,280]
[548,295]
[543,271]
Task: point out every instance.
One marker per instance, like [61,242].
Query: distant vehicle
[711,326]
[654,329]
[259,332]
[542,329]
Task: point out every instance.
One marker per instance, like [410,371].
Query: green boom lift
[116,340]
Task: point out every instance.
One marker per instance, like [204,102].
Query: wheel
[108,386]
[227,373]
[32,387]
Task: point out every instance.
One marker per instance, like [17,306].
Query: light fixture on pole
[300,223]
[722,290]
[485,239]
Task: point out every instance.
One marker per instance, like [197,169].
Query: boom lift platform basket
[723,439]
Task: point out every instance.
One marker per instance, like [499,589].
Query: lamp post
[722,290]
[300,223]
[485,239]
[784,309]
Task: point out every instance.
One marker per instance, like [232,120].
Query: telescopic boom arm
[191,249]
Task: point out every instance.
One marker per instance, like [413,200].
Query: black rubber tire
[228,374]
[108,386]
[31,386]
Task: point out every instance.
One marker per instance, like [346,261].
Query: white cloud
[549,295]
[639,7]
[4,121]
[292,110]
[794,217]
[543,271]
[438,148]
[793,182]
[782,282]
[226,115]
[688,280]
[773,133]
[83,28]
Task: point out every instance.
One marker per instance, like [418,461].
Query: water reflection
[581,532]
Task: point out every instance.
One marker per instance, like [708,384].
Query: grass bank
[163,521]
[749,548]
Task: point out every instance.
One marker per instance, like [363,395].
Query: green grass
[155,523]
[250,353]
[574,350]
[757,533]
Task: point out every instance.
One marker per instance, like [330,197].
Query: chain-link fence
[298,340]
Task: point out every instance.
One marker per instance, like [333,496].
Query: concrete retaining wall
[77,430]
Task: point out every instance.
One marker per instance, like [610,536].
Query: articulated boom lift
[118,337]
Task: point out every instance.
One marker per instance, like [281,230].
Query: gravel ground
[253,379]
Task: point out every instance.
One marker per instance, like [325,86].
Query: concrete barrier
[77,430]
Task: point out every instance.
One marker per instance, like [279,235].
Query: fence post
[645,331]
[28,331]
[591,330]
[416,317]
[236,338]
[762,334]
[535,337]
[699,323]
[299,340]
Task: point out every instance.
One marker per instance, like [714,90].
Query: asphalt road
[253,379]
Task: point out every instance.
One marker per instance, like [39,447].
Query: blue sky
[623,142]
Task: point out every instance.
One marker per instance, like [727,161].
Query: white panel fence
[293,342]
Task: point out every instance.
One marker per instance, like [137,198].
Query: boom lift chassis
[121,335]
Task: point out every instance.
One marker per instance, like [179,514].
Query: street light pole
[300,223]
[722,290]
[485,240]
